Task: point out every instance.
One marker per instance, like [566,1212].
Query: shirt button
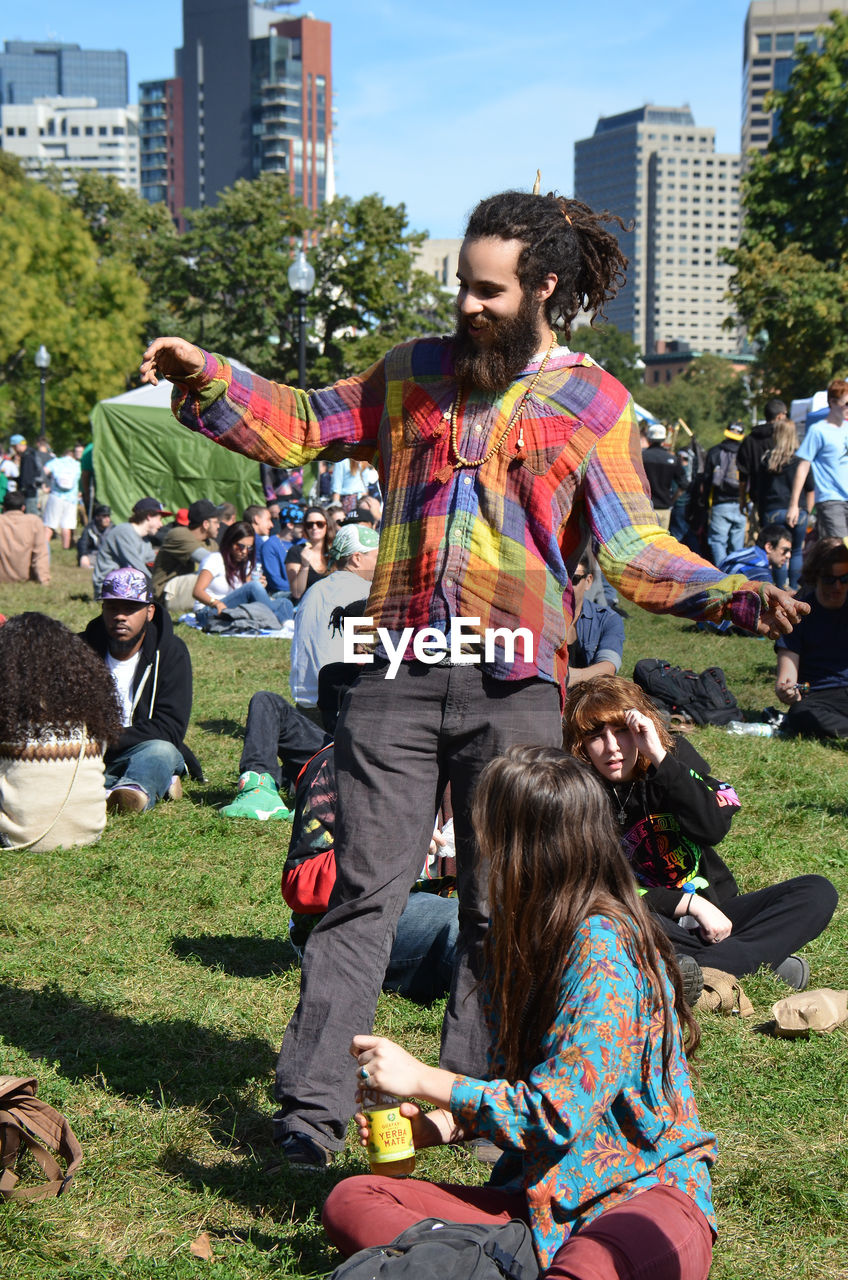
[448,582]
[477,429]
[466,479]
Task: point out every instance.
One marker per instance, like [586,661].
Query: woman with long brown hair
[670,812]
[774,489]
[589,1096]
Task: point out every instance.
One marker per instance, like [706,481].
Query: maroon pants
[659,1234]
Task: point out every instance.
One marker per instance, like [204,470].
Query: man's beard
[120,648]
[511,342]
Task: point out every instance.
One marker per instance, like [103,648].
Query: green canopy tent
[141,450]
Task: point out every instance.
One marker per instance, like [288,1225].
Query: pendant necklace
[447,471]
[622,803]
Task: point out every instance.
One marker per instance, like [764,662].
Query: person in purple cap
[128,544]
[151,669]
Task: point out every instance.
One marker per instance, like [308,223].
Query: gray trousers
[398,743]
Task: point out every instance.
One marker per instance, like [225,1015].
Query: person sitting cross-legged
[151,669]
[671,813]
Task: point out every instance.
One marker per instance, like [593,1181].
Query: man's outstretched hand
[780,612]
[170,358]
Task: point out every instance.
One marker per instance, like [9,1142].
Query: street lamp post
[42,362]
[301,282]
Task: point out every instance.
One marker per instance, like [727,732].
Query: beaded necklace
[447,471]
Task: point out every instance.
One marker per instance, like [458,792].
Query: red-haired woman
[671,813]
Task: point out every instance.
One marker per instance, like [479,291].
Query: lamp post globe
[301,277]
[42,363]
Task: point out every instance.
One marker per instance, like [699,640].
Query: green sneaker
[257,798]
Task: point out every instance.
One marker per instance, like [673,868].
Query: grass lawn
[146,982]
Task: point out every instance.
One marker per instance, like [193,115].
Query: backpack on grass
[26,1123]
[448,1251]
[704,698]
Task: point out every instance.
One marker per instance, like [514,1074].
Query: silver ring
[363,1073]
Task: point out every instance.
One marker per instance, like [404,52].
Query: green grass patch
[146,981]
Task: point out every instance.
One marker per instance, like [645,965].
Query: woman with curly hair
[58,713]
[670,812]
[229,577]
[587,1091]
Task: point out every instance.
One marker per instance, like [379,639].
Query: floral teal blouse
[591,1125]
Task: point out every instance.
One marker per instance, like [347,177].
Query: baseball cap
[291,514]
[352,538]
[17,439]
[181,516]
[734,432]
[150,507]
[655,431]
[201,510]
[101,509]
[126,584]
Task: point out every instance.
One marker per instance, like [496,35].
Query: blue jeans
[727,530]
[251,593]
[149,765]
[424,949]
[796,555]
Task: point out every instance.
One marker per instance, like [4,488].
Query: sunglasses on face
[244,546]
[315,524]
[831,579]
[577,578]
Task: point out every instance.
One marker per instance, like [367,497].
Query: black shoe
[693,979]
[795,972]
[303,1152]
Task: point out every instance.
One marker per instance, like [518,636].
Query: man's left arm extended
[650,567]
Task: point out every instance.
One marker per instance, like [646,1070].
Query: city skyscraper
[660,173]
[773,31]
[257,97]
[160,135]
[30,70]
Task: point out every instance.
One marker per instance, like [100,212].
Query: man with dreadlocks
[501,453]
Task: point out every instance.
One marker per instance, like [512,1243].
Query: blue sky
[440,102]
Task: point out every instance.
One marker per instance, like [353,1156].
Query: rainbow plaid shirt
[493,544]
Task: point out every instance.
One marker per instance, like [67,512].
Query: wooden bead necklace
[461,461]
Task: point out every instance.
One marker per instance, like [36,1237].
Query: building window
[764,44]
[785,41]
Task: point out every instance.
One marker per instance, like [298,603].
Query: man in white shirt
[151,669]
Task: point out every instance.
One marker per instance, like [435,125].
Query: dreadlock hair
[544,825]
[561,237]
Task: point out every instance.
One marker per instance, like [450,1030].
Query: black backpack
[704,698]
[448,1251]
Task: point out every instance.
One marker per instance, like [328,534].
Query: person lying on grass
[589,1096]
[670,813]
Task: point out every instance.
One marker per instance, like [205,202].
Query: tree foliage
[614,350]
[230,288]
[88,311]
[793,251]
[708,395]
[124,225]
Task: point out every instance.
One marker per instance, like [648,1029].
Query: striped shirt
[493,544]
